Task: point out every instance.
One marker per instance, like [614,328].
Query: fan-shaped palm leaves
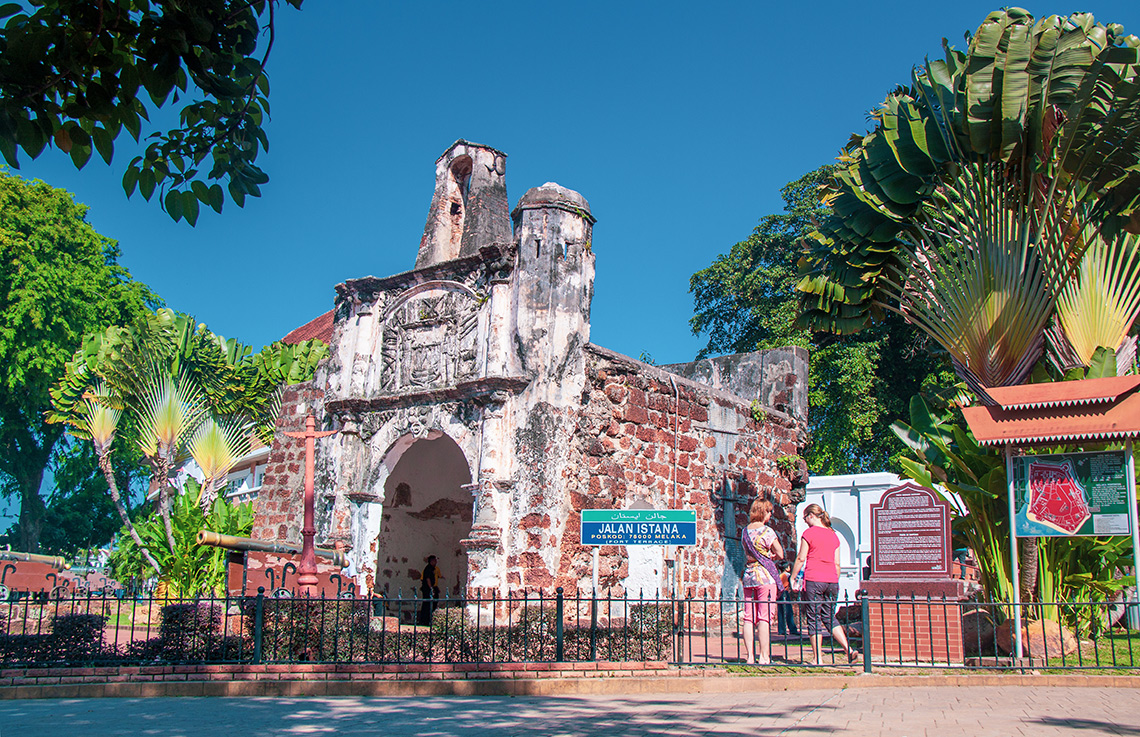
[97,420]
[171,375]
[216,448]
[970,205]
[1099,305]
[170,409]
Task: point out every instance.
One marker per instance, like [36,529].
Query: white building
[244,480]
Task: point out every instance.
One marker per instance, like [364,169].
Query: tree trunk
[32,512]
[1027,563]
[24,454]
[160,481]
[113,487]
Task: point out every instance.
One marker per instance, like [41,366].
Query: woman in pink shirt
[819,559]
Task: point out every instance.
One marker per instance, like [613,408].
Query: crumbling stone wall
[279,507]
[647,436]
[487,343]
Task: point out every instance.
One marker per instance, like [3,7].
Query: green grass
[1115,652]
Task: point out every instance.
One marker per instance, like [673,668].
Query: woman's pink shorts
[759,603]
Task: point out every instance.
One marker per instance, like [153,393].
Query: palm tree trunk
[160,477]
[1027,554]
[109,474]
[208,494]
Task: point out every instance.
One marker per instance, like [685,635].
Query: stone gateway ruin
[476,419]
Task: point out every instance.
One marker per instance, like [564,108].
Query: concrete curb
[549,686]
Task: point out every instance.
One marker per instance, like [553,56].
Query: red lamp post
[307,579]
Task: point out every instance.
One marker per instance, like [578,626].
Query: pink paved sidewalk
[978,711]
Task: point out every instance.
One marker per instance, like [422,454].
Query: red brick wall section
[307,679]
[278,508]
[915,631]
[625,442]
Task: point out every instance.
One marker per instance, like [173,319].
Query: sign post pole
[1013,553]
[594,579]
[1130,465]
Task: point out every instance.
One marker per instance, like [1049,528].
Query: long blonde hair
[818,511]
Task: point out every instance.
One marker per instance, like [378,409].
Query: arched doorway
[427,511]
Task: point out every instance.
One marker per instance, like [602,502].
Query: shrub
[74,638]
[310,629]
[77,637]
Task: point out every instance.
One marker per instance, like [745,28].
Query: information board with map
[1071,494]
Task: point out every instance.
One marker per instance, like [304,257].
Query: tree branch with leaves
[76,76]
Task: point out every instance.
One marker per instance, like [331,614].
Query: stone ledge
[460,392]
[469,680]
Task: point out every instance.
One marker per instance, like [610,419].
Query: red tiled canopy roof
[319,327]
[1035,414]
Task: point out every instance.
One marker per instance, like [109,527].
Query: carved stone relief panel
[429,340]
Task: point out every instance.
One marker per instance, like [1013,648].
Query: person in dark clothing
[785,614]
[429,589]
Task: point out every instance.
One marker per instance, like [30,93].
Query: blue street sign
[639,527]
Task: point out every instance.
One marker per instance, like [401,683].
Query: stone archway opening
[427,511]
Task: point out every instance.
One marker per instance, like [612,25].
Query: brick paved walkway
[899,712]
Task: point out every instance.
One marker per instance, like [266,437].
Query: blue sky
[679,122]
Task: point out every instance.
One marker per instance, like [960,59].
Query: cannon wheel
[59,592]
[282,593]
[4,593]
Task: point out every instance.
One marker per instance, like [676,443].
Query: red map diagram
[1055,497]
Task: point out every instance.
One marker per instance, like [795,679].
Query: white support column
[1130,466]
[1013,552]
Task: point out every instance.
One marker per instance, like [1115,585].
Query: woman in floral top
[759,579]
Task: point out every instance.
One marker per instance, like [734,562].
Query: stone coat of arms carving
[429,341]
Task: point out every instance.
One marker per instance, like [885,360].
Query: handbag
[763,560]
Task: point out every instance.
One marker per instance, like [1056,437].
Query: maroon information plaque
[910,534]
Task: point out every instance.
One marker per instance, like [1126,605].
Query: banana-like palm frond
[216,446]
[170,409]
[99,419]
[1099,305]
[974,279]
[1057,101]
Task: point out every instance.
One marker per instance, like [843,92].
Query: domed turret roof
[556,196]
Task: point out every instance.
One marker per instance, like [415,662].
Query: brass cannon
[256,563]
[29,573]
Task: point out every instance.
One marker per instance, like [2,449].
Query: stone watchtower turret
[469,207]
[554,285]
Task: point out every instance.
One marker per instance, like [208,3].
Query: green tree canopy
[77,75]
[58,280]
[745,301]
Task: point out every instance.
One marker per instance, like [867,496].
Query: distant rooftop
[320,327]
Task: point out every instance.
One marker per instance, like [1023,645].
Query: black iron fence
[869,633]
